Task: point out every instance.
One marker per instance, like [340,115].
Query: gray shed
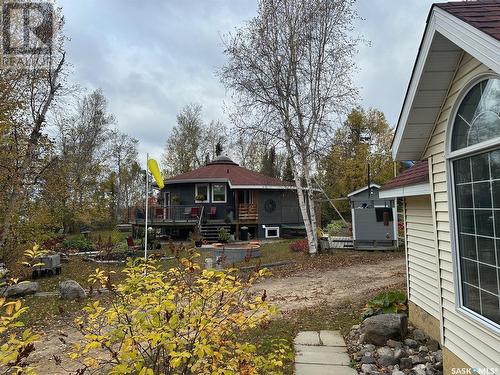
[374,219]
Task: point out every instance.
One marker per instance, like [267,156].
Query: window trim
[450,156]
[207,200]
[267,229]
[225,193]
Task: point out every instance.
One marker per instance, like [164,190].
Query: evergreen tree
[218,149]
[287,171]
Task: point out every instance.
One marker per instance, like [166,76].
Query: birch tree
[290,68]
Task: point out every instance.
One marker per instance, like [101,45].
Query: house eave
[232,186]
[422,104]
[406,191]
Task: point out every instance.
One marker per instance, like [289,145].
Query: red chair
[213,212]
[131,244]
[195,212]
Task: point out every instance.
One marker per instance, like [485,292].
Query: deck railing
[184,213]
[247,212]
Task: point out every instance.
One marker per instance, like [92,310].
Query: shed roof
[223,169]
[363,189]
[417,174]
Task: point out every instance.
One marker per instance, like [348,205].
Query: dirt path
[292,289]
[314,287]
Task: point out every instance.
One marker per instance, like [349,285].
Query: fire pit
[236,252]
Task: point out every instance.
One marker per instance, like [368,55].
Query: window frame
[225,192]
[267,229]
[450,158]
[207,200]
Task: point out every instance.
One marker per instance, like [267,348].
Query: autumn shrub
[301,246]
[178,321]
[79,243]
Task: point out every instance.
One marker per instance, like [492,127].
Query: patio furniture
[131,244]
[187,212]
[213,212]
[195,212]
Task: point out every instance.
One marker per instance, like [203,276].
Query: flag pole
[146,215]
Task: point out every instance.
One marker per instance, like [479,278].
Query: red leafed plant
[300,246]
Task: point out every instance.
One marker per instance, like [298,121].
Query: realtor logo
[27,28]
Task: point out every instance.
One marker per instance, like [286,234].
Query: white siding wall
[473,343]
[423,286]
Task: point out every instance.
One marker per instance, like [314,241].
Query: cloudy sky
[153,57]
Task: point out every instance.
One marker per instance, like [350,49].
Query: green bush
[337,228]
[394,301]
[79,243]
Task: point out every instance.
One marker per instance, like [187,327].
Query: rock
[367,368]
[355,327]
[416,360]
[21,289]
[405,363]
[423,349]
[70,289]
[394,344]
[386,357]
[438,365]
[367,358]
[399,353]
[398,372]
[418,370]
[438,356]
[411,343]
[433,345]
[429,369]
[369,347]
[419,335]
[379,328]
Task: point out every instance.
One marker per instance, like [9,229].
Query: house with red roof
[224,194]
[450,126]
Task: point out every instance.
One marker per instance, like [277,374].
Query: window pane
[219,192]
[489,303]
[468,246]
[471,297]
[469,272]
[484,222]
[496,193]
[480,167]
[495,164]
[464,196]
[462,170]
[488,278]
[486,250]
[477,118]
[466,221]
[482,195]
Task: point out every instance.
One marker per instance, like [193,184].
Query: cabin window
[219,193]
[476,180]
[272,232]
[201,193]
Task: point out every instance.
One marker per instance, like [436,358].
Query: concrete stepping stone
[323,352]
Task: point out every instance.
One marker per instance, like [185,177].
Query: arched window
[476,179]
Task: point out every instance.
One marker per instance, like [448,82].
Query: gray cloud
[151,58]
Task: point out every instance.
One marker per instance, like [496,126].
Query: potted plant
[195,236]
[200,198]
[224,235]
[176,200]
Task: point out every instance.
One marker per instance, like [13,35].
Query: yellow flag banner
[155,171]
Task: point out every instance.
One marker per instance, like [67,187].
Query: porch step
[210,231]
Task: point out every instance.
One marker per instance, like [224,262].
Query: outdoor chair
[131,244]
[195,212]
[213,212]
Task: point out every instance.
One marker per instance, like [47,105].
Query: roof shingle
[482,14]
[417,174]
[225,169]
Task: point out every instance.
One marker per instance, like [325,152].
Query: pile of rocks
[385,344]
